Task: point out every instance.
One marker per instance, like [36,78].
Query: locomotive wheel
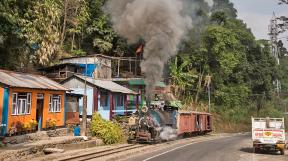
[256,150]
[132,141]
[282,151]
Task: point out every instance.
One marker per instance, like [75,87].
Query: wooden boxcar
[190,122]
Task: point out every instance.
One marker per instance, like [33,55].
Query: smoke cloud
[168,133]
[210,2]
[161,23]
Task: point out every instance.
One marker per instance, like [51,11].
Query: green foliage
[232,95]
[225,6]
[108,131]
[38,33]
[219,17]
[223,48]
[182,74]
[242,68]
[78,52]
[31,30]
[270,111]
[234,115]
[99,34]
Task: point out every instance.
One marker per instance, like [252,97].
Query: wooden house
[103,96]
[94,66]
[26,97]
[61,72]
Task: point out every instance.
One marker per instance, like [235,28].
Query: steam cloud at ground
[161,23]
[168,133]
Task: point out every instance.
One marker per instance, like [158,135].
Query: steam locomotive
[165,121]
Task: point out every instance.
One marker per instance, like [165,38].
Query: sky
[257,15]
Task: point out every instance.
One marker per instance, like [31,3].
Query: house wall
[59,116]
[79,88]
[119,110]
[104,111]
[94,101]
[72,104]
[72,111]
[89,92]
[96,66]
[4,113]
[1,103]
[88,60]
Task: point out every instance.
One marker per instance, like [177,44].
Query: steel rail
[102,153]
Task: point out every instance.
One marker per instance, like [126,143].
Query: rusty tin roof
[25,80]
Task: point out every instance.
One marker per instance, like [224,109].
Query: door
[39,110]
[208,123]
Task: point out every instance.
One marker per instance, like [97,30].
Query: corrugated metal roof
[138,81]
[24,80]
[108,85]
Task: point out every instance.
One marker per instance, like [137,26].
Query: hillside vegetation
[37,33]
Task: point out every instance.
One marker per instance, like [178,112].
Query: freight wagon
[155,124]
[191,122]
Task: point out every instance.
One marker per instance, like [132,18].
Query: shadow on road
[247,150]
[251,150]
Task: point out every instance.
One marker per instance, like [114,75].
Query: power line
[285,37]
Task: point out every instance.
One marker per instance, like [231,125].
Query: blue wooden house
[103,96]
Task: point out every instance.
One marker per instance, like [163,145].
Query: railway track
[102,153]
[108,152]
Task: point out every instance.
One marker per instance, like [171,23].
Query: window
[21,103]
[55,103]
[14,103]
[104,100]
[119,100]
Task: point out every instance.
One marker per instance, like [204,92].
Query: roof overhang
[103,84]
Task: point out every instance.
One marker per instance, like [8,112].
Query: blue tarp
[88,69]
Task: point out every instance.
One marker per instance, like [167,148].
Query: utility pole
[273,33]
[84,111]
[207,83]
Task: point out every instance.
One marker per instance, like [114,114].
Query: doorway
[208,123]
[39,110]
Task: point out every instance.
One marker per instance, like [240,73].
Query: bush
[109,132]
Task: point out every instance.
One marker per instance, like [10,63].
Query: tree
[242,68]
[41,28]
[225,6]
[283,2]
[31,31]
[99,34]
[219,17]
[75,16]
[40,32]
[283,25]
[183,77]
[282,50]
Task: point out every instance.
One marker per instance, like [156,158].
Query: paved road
[235,148]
